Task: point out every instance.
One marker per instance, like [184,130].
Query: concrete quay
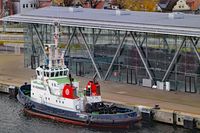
[178,108]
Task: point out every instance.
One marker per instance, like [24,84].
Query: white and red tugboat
[54,94]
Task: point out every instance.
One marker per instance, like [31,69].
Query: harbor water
[13,120]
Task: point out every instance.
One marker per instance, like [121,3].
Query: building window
[32,93]
[31,5]
[26,5]
[56,100]
[23,5]
[62,102]
[48,98]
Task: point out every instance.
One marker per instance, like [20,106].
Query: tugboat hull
[119,120]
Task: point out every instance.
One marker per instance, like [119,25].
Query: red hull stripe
[70,121]
[54,118]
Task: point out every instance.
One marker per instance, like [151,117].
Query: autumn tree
[92,3]
[58,2]
[137,5]
[63,2]
[68,2]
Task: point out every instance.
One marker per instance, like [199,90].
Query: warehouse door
[79,69]
[131,76]
[190,85]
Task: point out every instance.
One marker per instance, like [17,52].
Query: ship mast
[56,58]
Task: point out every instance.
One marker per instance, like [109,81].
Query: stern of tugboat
[24,94]
[123,120]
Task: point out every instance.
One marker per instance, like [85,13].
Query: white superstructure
[54,85]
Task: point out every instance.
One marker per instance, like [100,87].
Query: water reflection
[13,120]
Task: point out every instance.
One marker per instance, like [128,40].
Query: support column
[32,40]
[173,61]
[69,42]
[46,32]
[145,38]
[40,40]
[115,56]
[165,42]
[142,57]
[88,50]
[94,42]
[194,46]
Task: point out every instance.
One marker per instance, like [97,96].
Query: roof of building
[167,5]
[107,19]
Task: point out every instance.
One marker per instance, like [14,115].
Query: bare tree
[92,3]
[68,2]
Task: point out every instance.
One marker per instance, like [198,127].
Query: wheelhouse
[44,71]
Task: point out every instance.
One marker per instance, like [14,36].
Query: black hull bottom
[79,123]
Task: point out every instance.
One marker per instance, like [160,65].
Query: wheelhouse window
[65,72]
[52,74]
[57,73]
[61,73]
[38,73]
[47,73]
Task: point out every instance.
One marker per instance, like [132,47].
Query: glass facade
[157,50]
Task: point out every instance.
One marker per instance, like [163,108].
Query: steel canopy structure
[113,20]
[131,47]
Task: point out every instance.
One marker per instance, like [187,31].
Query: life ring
[67,91]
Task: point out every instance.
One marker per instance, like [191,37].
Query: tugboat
[54,94]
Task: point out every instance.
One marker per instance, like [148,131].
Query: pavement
[12,72]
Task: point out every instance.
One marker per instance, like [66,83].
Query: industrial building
[10,7]
[157,50]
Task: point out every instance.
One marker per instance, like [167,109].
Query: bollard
[13,91]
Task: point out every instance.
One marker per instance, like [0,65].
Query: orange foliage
[63,2]
[137,5]
[58,2]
